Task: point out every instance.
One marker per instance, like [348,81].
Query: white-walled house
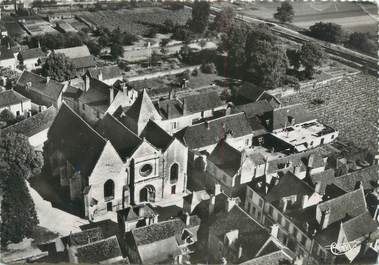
[16,103]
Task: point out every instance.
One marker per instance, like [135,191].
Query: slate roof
[298,112]
[162,230]
[324,179]
[351,204]
[212,131]
[226,158]
[97,96]
[123,139]
[359,226]
[157,136]
[288,185]
[34,53]
[84,62]
[69,133]
[200,102]
[108,72]
[51,89]
[72,92]
[99,251]
[74,52]
[11,97]
[367,176]
[34,124]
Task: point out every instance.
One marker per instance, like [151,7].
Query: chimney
[306,227]
[239,252]
[87,83]
[187,218]
[155,218]
[275,230]
[229,204]
[111,94]
[325,215]
[217,189]
[285,203]
[206,123]
[212,202]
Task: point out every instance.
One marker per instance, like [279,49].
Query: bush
[317,101]
[195,72]
[208,68]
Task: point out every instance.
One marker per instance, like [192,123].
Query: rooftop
[32,53]
[11,97]
[75,52]
[290,116]
[99,251]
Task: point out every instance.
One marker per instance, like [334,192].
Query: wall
[22,108]
[8,63]
[31,64]
[38,139]
[161,73]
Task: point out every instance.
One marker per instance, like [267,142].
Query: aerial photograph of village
[189,132]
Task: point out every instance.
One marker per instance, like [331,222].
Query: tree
[58,67]
[93,47]
[151,33]
[7,117]
[16,151]
[208,68]
[293,58]
[200,16]
[284,13]
[185,53]
[266,65]
[181,33]
[128,38]
[116,50]
[155,58]
[18,215]
[310,55]
[168,25]
[224,20]
[330,32]
[20,58]
[361,42]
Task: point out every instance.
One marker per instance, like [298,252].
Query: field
[350,106]
[136,21]
[351,16]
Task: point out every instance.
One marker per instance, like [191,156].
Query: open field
[350,106]
[351,16]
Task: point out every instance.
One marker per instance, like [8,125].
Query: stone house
[16,103]
[42,91]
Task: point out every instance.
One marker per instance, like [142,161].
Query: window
[259,215]
[173,125]
[224,179]
[83,107]
[260,203]
[253,210]
[174,173]
[322,141]
[332,136]
[98,114]
[248,207]
[295,232]
[17,113]
[247,142]
[279,219]
[271,211]
[108,190]
[286,225]
[173,189]
[146,170]
[303,240]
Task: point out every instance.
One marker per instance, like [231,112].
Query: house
[178,113]
[163,242]
[122,101]
[16,103]
[41,90]
[32,58]
[108,74]
[118,167]
[299,128]
[7,59]
[35,128]
[80,57]
[236,238]
[201,138]
[136,216]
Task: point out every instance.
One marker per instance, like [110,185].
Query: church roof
[70,133]
[155,135]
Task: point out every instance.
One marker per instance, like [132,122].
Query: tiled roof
[123,139]
[324,179]
[11,97]
[359,226]
[155,135]
[367,176]
[297,112]
[32,53]
[108,72]
[226,158]
[288,185]
[72,92]
[84,237]
[69,133]
[254,108]
[74,52]
[351,204]
[98,251]
[51,89]
[84,62]
[34,124]
[163,230]
[200,102]
[212,131]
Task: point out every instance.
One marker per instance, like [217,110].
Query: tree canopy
[224,20]
[117,50]
[330,32]
[200,16]
[362,42]
[58,67]
[284,12]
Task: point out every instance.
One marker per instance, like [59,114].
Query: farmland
[136,21]
[349,106]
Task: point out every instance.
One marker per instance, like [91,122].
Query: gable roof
[34,124]
[200,102]
[99,251]
[11,97]
[74,52]
[155,135]
[123,139]
[297,112]
[367,176]
[51,88]
[70,133]
[210,132]
[351,204]
[83,62]
[32,53]
[226,157]
[84,237]
[359,226]
[254,108]
[107,72]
